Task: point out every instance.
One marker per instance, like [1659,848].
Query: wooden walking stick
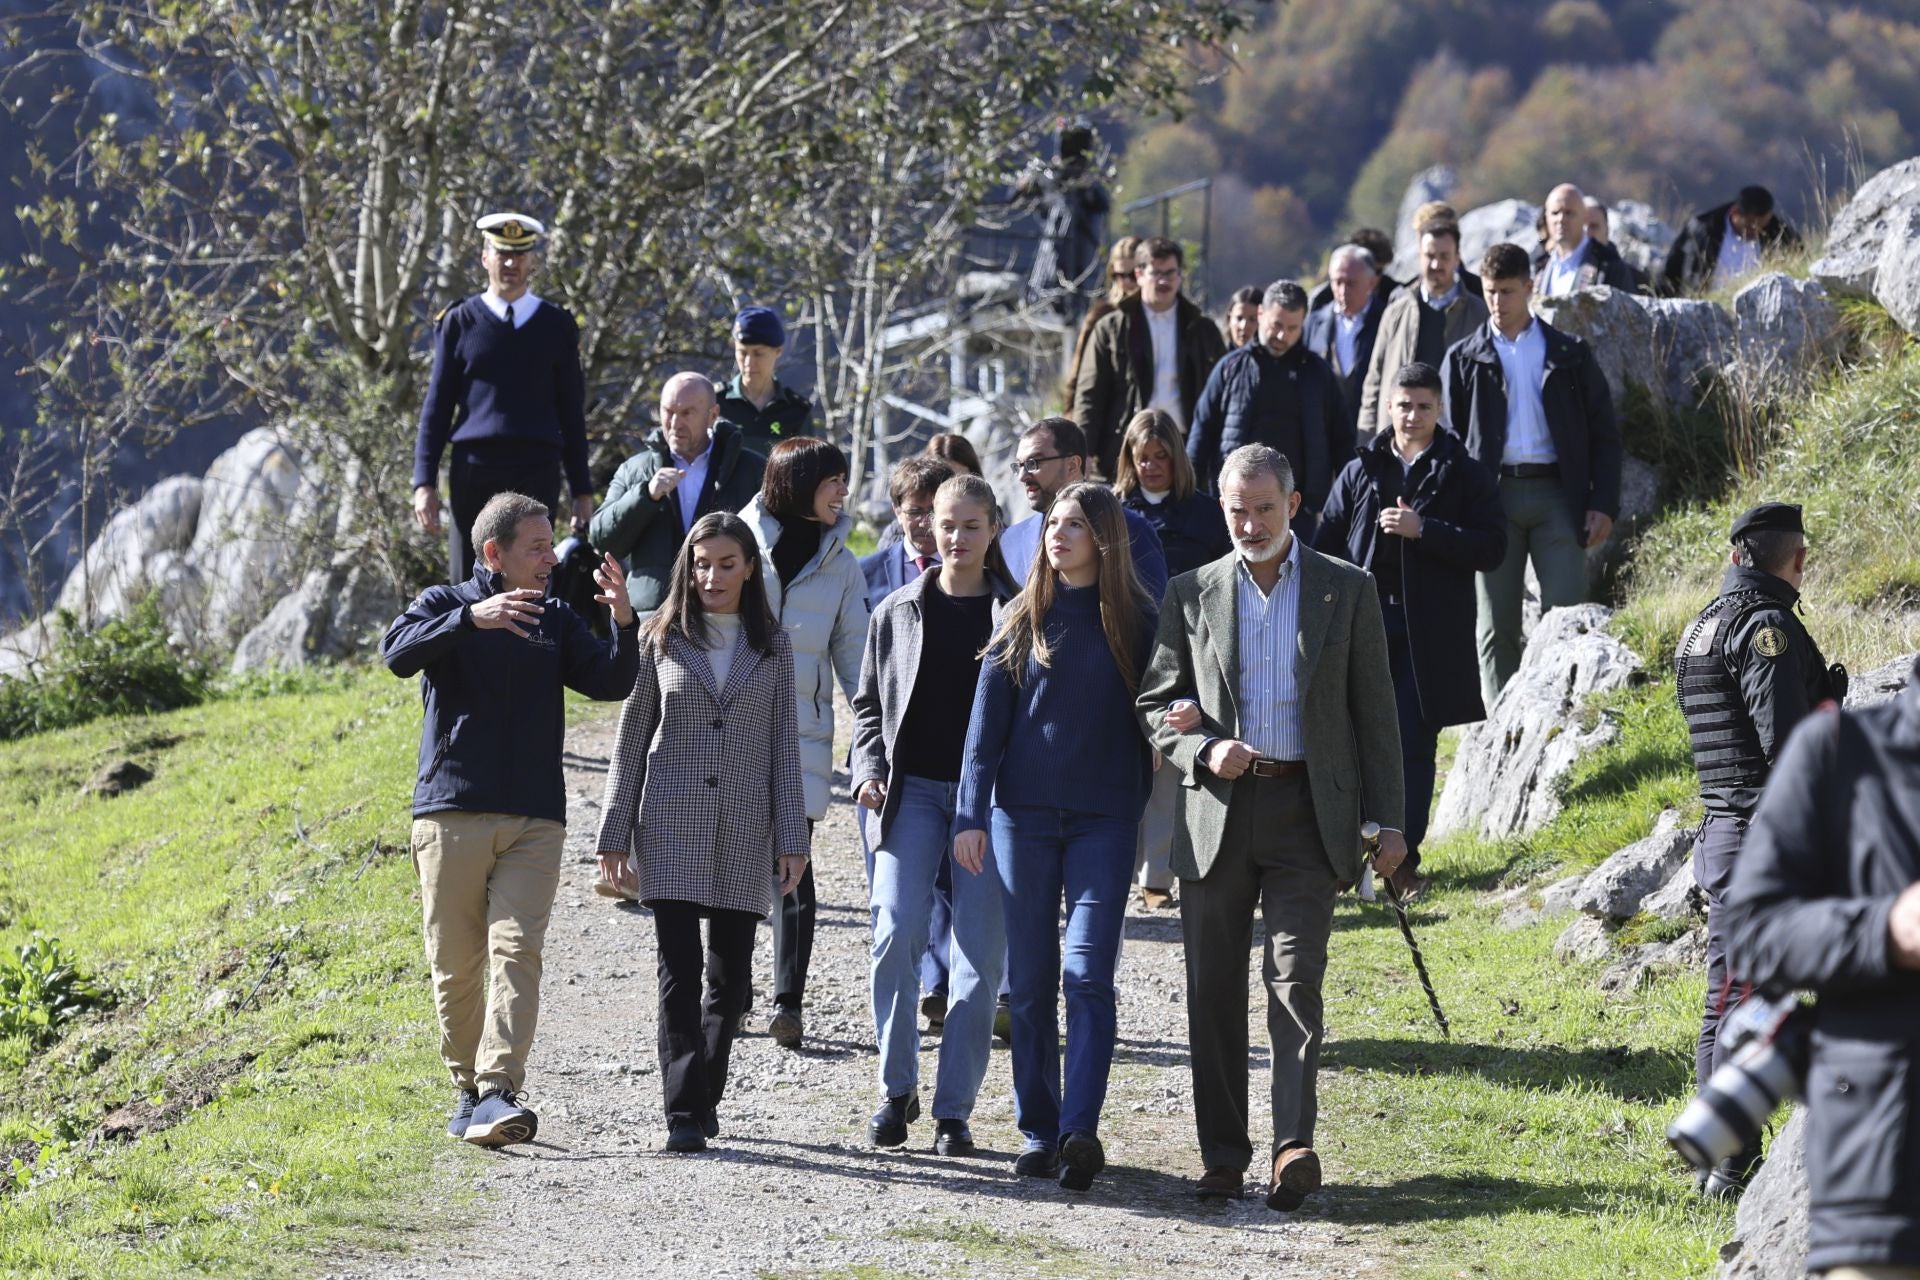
[1370,837]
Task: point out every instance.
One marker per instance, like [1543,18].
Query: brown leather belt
[1265,768]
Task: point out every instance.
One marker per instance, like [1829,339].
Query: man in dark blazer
[1532,404]
[1154,351]
[1703,256]
[1422,517]
[1343,331]
[1269,691]
[910,489]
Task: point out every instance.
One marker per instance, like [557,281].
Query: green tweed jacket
[1348,721]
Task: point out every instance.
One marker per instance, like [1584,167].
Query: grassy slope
[181,893]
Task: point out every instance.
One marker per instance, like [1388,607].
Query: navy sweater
[517,393]
[495,709]
[1066,738]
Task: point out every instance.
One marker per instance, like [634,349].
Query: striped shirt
[1269,627]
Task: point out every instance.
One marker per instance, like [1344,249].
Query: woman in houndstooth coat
[705,807]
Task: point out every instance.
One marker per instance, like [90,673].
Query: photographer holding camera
[1748,672]
[1825,898]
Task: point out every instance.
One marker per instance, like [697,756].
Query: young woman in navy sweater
[1054,751]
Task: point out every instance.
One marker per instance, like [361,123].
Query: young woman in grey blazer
[910,728]
[705,810]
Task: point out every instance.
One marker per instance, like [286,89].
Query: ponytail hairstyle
[977,490]
[1022,633]
[682,610]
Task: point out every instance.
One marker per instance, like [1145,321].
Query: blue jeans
[906,865]
[1043,855]
[933,965]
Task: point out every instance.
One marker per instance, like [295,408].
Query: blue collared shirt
[1269,630]
[1524,364]
[1561,275]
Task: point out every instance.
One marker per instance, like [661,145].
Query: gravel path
[792,1188]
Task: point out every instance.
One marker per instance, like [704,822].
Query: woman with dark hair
[1055,752]
[1122,283]
[701,824]
[818,593]
[1241,324]
[1155,478]
[956,451]
[910,725]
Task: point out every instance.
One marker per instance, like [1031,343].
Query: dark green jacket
[787,415]
[646,534]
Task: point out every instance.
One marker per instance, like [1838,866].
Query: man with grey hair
[1569,258]
[1269,690]
[1275,392]
[495,656]
[1342,332]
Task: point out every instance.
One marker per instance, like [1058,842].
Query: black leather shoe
[1081,1160]
[710,1122]
[952,1138]
[888,1128]
[1003,1022]
[684,1136]
[933,1007]
[1038,1162]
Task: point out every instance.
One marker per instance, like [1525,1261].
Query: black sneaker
[684,1136]
[499,1120]
[888,1128]
[1003,1021]
[1037,1162]
[785,1027]
[463,1105]
[710,1122]
[952,1138]
[1081,1159]
[933,1007]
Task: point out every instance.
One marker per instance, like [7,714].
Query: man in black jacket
[489,806]
[694,463]
[1423,517]
[1748,672]
[1532,404]
[1343,331]
[1277,393]
[1721,244]
[1569,258]
[1826,898]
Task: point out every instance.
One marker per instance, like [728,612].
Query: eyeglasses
[1031,466]
[1163,277]
[916,514]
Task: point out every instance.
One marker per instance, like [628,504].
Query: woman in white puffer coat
[819,594]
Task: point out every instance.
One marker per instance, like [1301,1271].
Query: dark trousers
[471,485]
[1419,740]
[696,1033]
[1713,854]
[793,939]
[1271,857]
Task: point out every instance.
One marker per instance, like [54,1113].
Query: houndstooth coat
[704,788]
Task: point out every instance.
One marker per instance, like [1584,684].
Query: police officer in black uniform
[1748,673]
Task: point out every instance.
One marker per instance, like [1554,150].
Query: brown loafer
[1221,1184]
[1296,1175]
[1156,899]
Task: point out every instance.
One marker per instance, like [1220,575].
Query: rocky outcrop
[1770,1227]
[118,568]
[1679,898]
[1428,185]
[1615,889]
[1640,235]
[1896,281]
[1639,965]
[1621,334]
[1882,683]
[1503,222]
[1585,940]
[1876,214]
[1507,770]
[334,613]
[240,548]
[1693,339]
[1788,328]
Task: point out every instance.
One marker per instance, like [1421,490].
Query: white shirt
[1445,300]
[523,306]
[1737,256]
[692,480]
[1269,629]
[1346,334]
[1163,326]
[1155,498]
[724,630]
[1524,362]
[1562,273]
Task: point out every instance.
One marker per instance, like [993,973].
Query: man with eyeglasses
[1153,351]
[910,489]
[1052,454]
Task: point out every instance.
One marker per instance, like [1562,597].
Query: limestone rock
[240,546]
[334,613]
[1882,683]
[1850,263]
[1503,222]
[1436,183]
[1506,772]
[1641,964]
[1787,327]
[1896,282]
[1616,887]
[1678,898]
[1641,235]
[1555,900]
[1622,337]
[1586,939]
[1693,339]
[1770,1227]
[116,569]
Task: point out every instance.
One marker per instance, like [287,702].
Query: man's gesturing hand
[612,580]
[664,482]
[1229,758]
[1903,929]
[507,611]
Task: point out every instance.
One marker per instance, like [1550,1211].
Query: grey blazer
[887,671]
[1347,714]
[704,788]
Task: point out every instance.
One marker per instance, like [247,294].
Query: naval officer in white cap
[507,395]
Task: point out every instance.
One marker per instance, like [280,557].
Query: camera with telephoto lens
[1768,1041]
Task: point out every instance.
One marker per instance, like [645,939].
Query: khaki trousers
[1155,845]
[487,882]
